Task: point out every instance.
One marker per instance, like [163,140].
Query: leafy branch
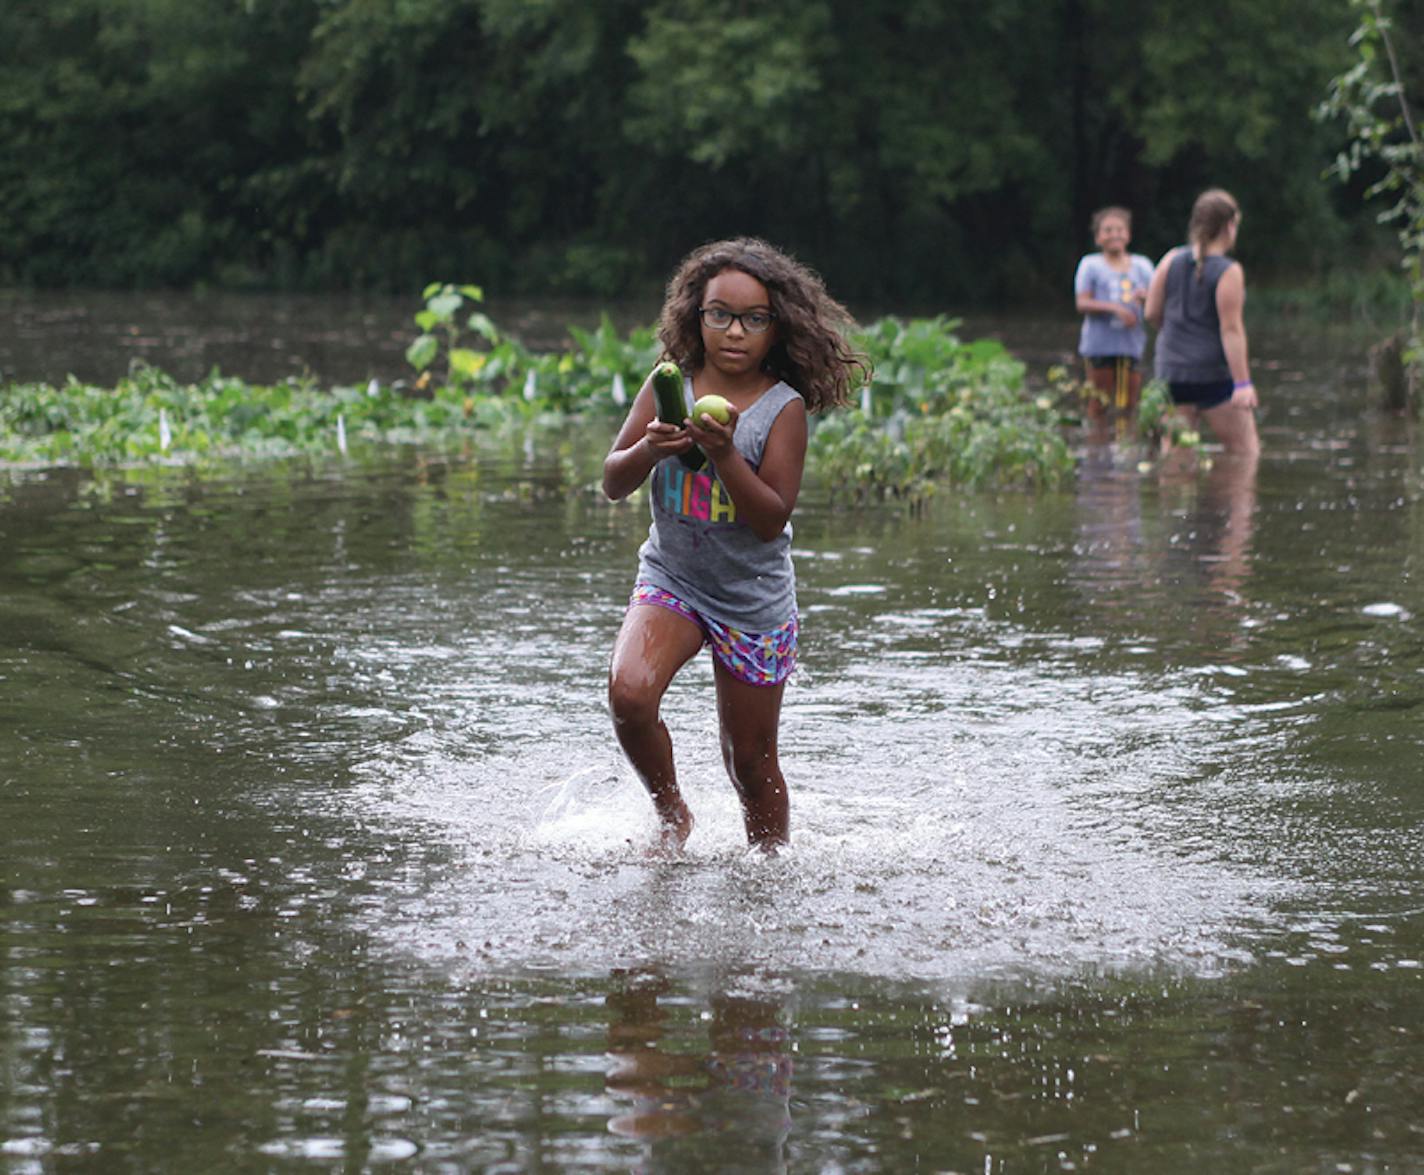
[1372,99]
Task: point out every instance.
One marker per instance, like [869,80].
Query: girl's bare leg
[653,644]
[750,716]
[1132,392]
[1235,428]
[1096,402]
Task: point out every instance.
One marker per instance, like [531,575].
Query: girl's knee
[632,705]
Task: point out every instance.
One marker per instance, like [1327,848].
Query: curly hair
[810,353]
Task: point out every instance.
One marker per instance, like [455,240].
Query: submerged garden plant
[1157,424]
[937,409]
[442,334]
[595,370]
[469,376]
[940,410]
[150,416]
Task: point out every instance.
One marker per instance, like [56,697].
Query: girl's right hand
[666,440]
[1126,315]
[1244,397]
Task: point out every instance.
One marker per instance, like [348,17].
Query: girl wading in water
[1109,289]
[745,322]
[1196,299]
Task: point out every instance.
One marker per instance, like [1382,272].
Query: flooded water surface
[318,851]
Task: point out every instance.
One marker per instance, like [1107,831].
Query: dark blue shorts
[1203,396]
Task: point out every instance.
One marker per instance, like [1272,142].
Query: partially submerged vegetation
[937,409]
[940,410]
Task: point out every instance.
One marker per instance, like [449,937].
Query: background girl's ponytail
[1213,211]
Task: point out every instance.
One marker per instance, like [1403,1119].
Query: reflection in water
[1111,561]
[736,1089]
[1210,551]
[1191,560]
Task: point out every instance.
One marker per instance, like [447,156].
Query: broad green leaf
[466,364]
[481,323]
[421,353]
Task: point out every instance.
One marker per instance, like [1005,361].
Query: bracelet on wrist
[1240,383]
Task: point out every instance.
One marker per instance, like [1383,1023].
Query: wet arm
[1125,314]
[764,497]
[641,443]
[1087,304]
[1230,302]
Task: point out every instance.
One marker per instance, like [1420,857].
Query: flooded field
[319,852]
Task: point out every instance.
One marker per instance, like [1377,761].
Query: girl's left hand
[714,437]
[1244,397]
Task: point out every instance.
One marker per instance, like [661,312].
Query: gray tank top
[1189,343]
[698,550]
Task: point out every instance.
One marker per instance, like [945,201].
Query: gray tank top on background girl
[1189,347]
[699,550]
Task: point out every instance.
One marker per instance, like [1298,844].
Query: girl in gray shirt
[1196,300]
[748,323]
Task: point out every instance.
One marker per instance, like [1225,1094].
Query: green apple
[713,406]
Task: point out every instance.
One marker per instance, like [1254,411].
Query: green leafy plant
[441,332]
[601,360]
[1157,423]
[1154,411]
[1371,98]
[940,410]
[590,372]
[149,416]
[1071,392]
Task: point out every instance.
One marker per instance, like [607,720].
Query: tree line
[915,151]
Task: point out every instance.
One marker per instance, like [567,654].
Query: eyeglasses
[754,322]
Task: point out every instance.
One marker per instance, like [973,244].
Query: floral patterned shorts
[756,658]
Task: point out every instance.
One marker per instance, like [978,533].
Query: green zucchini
[672,407]
[667,387]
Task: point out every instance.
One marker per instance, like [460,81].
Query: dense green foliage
[921,150]
[151,416]
[937,410]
